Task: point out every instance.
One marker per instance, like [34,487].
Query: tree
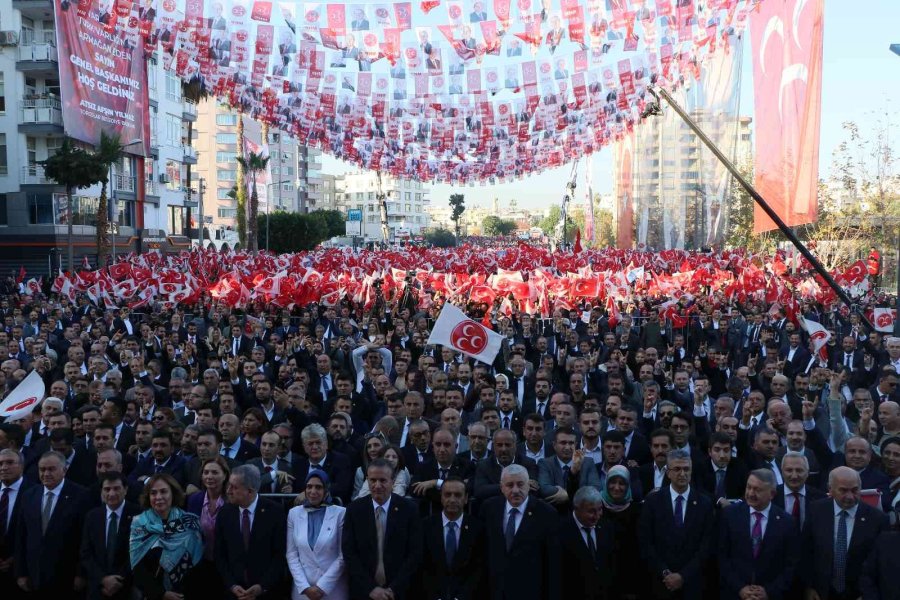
[241,193]
[253,164]
[495,226]
[108,152]
[458,204]
[440,238]
[74,168]
[292,232]
[552,221]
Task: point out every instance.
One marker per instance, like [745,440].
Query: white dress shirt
[251,508]
[674,495]
[851,520]
[521,508]
[765,519]
[12,494]
[458,531]
[56,492]
[118,512]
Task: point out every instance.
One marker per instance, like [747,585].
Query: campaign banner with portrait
[102,72]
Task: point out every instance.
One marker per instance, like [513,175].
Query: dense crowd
[231,443]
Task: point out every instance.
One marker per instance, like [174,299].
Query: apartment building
[407,203]
[147,195]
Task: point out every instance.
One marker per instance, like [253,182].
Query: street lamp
[269,206]
[115,206]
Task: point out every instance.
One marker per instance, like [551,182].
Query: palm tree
[74,168]
[253,163]
[108,152]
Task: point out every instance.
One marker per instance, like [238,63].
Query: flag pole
[654,109]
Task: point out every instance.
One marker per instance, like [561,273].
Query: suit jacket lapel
[327,525]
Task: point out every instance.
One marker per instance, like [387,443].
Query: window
[173,87]
[176,220]
[226,138]
[222,193]
[289,171]
[31,150]
[84,210]
[3,220]
[173,172]
[226,157]
[227,175]
[408,207]
[371,219]
[40,208]
[288,187]
[173,130]
[227,213]
[4,168]
[126,214]
[407,196]
[226,119]
[2,96]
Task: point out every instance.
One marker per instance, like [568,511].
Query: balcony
[188,111]
[154,146]
[190,155]
[34,175]
[123,183]
[41,115]
[34,9]
[38,59]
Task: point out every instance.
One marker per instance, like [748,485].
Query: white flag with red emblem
[818,335]
[884,318]
[455,330]
[22,400]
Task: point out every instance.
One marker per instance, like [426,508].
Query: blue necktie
[840,555]
[511,528]
[679,511]
[450,542]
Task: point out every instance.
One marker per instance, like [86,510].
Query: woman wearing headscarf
[165,543]
[622,514]
[314,553]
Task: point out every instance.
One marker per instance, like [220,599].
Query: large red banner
[787,78]
[624,157]
[102,73]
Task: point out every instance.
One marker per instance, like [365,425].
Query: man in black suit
[795,496]
[453,550]
[162,459]
[382,540]
[79,468]
[336,465]
[723,476]
[522,541]
[12,488]
[250,539]
[653,474]
[510,418]
[521,385]
[838,536]
[49,532]
[488,471]
[233,446]
[431,475]
[759,545]
[587,550]
[637,450]
[418,451]
[104,541]
[113,414]
[795,356]
[239,344]
[675,532]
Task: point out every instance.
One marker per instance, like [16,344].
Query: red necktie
[795,512]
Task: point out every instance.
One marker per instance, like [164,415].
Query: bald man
[838,535]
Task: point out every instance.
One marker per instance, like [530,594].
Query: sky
[860,83]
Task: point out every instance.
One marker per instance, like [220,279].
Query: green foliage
[549,224]
[441,238]
[495,226]
[108,152]
[292,232]
[253,164]
[241,186]
[458,204]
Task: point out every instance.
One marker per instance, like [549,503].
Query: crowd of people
[612,450]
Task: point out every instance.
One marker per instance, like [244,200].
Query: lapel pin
[777,517]
[862,518]
[396,509]
[529,513]
[694,503]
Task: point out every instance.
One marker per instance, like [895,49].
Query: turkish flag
[787,72]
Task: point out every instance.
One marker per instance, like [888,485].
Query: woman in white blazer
[314,544]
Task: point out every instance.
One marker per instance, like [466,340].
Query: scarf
[607,500]
[179,537]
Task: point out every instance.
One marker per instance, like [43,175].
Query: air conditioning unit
[9,38]
[164,178]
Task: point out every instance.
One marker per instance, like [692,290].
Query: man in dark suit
[233,446]
[759,545]
[560,476]
[430,476]
[838,536]
[104,541]
[274,470]
[49,532]
[250,539]
[488,471]
[453,549]
[162,459]
[795,496]
[733,478]
[382,541]
[510,418]
[637,450]
[675,532]
[238,343]
[522,541]
[795,356]
[12,488]
[336,465]
[79,468]
[113,414]
[653,474]
[587,550]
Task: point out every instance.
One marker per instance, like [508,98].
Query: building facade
[407,203]
[147,198]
